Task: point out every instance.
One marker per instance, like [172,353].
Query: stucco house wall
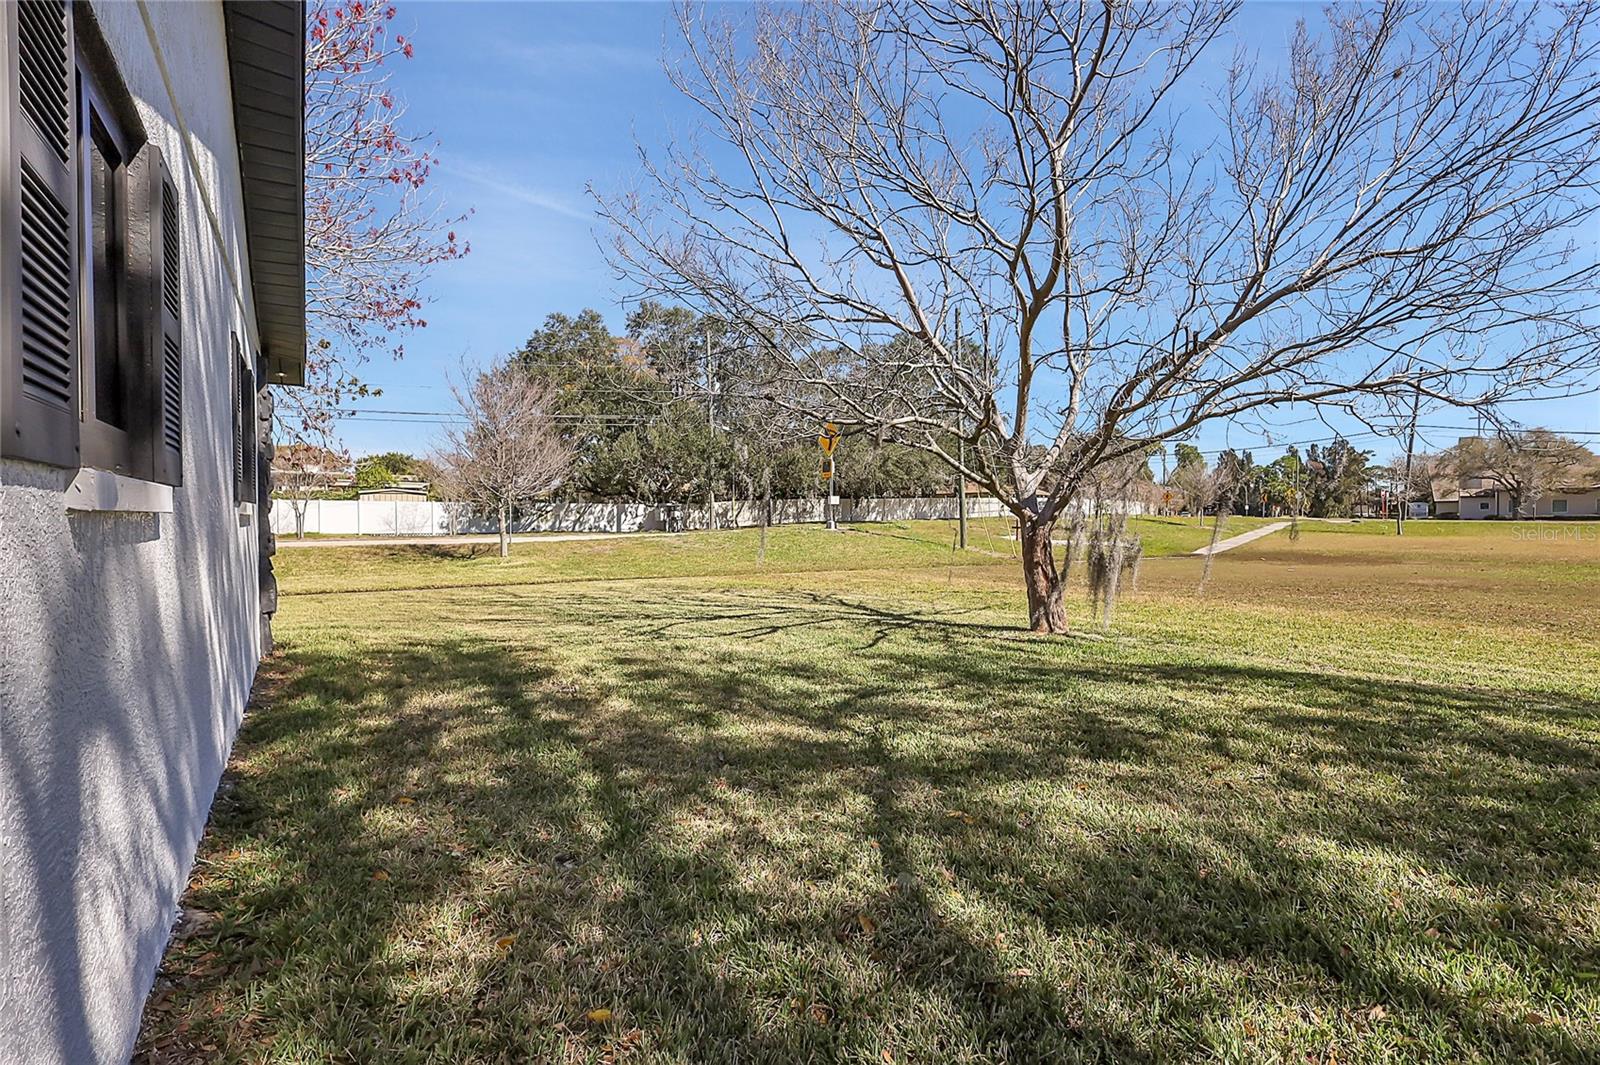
[1483,505]
[130,639]
[1584,504]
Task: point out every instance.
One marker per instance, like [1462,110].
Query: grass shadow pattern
[813,826]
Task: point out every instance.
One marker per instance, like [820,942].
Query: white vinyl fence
[395,517]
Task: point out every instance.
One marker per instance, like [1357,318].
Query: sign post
[827,441]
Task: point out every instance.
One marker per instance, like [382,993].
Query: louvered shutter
[38,231]
[239,388]
[251,431]
[168,360]
[155,304]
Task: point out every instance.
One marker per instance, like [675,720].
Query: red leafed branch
[373,228]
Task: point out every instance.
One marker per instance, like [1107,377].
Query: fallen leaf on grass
[599,1016]
[1377,1013]
[868,925]
[962,816]
[503,944]
[406,800]
[381,874]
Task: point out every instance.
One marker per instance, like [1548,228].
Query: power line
[376,415]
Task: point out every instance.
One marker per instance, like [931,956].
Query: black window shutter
[156,310]
[252,430]
[38,230]
[240,388]
[169,441]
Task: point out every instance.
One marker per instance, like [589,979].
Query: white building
[151,280]
[1563,501]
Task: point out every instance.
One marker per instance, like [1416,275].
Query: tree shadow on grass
[751,851]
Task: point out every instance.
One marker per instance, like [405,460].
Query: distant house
[400,490]
[319,462]
[152,274]
[1482,500]
[1480,495]
[1446,496]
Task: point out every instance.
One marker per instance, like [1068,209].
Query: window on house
[92,363]
[1558,506]
[107,357]
[1483,505]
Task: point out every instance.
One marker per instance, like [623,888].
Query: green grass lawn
[913,545]
[646,800]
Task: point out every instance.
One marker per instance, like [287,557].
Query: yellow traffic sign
[830,429]
[827,443]
[827,474]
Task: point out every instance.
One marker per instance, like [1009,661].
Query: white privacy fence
[396,517]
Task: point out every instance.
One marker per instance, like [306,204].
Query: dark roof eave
[266,66]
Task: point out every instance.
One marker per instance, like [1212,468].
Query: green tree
[600,390]
[376,471]
[1337,476]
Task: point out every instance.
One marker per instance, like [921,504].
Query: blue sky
[533,101]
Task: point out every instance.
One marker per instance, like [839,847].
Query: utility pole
[961,454]
[1405,487]
[1164,491]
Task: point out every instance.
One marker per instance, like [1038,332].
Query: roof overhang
[266,63]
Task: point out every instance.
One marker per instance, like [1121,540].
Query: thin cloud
[533,197]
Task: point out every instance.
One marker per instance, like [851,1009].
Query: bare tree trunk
[1211,552]
[1046,612]
[505,531]
[766,514]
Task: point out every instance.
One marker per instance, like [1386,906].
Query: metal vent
[47,355]
[170,266]
[46,71]
[172,394]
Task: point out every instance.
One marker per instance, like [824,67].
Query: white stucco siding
[1473,508]
[1579,504]
[128,641]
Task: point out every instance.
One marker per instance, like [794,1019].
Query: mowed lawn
[1342,806]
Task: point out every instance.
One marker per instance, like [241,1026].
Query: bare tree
[1411,475]
[1525,465]
[301,473]
[508,450]
[1389,211]
[1198,487]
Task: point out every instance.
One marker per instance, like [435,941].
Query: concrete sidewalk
[1243,538]
[290,540]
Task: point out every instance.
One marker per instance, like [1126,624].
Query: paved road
[1243,538]
[289,539]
